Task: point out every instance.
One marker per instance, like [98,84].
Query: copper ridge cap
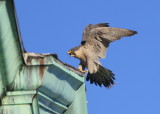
[32,59]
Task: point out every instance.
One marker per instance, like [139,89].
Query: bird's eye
[83,42]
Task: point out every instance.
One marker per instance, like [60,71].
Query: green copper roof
[35,83]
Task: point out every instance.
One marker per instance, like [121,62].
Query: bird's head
[71,53]
[74,51]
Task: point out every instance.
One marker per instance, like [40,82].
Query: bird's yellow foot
[83,71]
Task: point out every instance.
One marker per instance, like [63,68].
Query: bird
[94,45]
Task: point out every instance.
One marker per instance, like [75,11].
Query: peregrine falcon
[95,42]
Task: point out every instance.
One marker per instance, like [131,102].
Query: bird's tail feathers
[102,76]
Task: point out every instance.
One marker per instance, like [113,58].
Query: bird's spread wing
[111,33]
[96,43]
[88,28]
[100,37]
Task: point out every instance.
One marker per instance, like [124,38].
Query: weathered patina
[34,83]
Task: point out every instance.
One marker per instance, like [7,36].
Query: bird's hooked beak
[71,53]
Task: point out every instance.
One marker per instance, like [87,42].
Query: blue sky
[56,26]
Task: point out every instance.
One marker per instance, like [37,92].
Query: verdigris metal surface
[10,52]
[16,109]
[78,106]
[18,97]
[34,83]
[60,85]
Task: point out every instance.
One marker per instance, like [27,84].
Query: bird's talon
[83,71]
